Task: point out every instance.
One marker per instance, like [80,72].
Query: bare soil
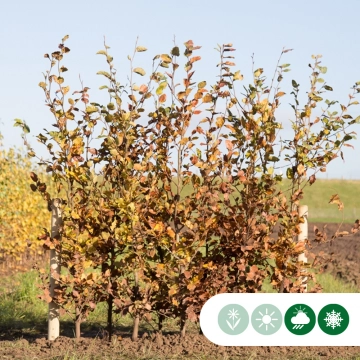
[345,262]
[153,345]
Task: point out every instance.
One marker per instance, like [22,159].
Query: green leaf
[175,51]
[139,71]
[289,173]
[323,69]
[327,87]
[18,122]
[161,88]
[26,129]
[91,109]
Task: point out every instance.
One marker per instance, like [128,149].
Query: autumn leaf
[335,199]
[300,169]
[220,121]
[195,58]
[201,84]
[143,89]
[229,144]
[141,48]
[162,98]
[139,71]
[170,232]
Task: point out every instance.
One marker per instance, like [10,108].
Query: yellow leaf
[75,215]
[139,71]
[220,121]
[201,84]
[335,199]
[161,88]
[141,48]
[183,141]
[91,109]
[238,76]
[65,89]
[207,98]
[300,169]
[159,227]
[280,93]
[165,58]
[170,232]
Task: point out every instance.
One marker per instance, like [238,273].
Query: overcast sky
[28,29]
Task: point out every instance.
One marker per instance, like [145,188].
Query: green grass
[317,198]
[318,195]
[21,309]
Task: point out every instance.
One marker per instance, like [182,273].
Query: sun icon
[266,319]
[300,310]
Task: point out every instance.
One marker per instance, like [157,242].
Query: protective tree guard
[303,211]
[53,315]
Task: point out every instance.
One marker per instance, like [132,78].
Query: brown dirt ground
[151,345]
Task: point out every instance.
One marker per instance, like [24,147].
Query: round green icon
[300,319]
[333,319]
[233,319]
[266,319]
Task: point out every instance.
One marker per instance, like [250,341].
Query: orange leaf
[229,144]
[195,58]
[162,98]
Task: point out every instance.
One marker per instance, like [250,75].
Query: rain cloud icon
[300,320]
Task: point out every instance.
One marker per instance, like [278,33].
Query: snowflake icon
[333,319]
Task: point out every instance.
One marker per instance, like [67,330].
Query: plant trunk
[77,323]
[183,325]
[109,317]
[160,322]
[135,333]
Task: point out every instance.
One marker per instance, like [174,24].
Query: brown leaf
[312,179]
[46,296]
[33,177]
[335,199]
